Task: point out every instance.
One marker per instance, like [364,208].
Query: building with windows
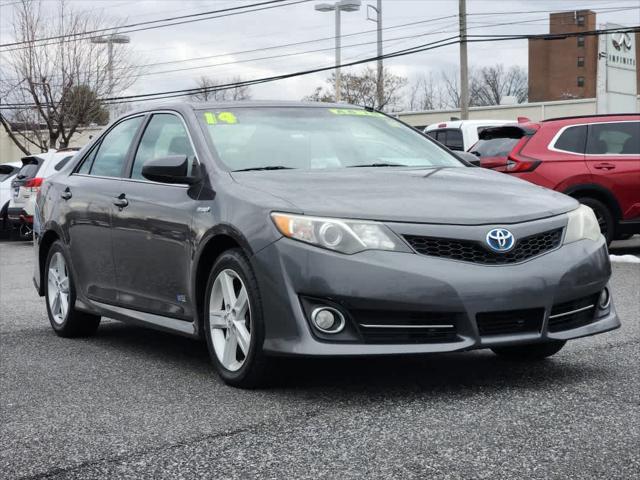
[566,68]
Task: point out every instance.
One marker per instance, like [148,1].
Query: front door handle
[66,195]
[121,201]
[604,166]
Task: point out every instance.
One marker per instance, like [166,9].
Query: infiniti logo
[621,41]
[500,240]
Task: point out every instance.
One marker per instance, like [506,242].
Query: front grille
[510,321]
[476,252]
[406,327]
[573,314]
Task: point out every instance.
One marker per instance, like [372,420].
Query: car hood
[458,196]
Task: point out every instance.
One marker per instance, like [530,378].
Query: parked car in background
[460,135]
[595,159]
[26,184]
[7,172]
[311,229]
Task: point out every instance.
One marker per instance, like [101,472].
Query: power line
[420,48]
[231,11]
[408,51]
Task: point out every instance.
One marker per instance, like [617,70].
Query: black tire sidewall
[55,248]
[598,206]
[235,260]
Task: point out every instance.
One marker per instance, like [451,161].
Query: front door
[152,230]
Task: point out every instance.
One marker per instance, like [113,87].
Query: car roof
[461,123]
[181,106]
[603,117]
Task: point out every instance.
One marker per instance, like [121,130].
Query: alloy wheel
[58,288]
[230,320]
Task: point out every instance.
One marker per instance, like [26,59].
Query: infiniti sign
[500,240]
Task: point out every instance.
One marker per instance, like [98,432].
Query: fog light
[605,299]
[327,320]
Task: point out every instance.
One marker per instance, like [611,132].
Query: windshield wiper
[268,167]
[380,164]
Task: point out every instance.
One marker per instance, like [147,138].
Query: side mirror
[171,169]
[469,158]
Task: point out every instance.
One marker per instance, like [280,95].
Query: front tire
[60,294]
[233,322]
[531,352]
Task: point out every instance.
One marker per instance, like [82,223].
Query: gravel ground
[135,403]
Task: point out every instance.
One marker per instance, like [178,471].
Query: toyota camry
[293,229]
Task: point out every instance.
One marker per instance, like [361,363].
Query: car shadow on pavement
[453,372]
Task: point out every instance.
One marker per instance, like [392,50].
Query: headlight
[340,235]
[582,224]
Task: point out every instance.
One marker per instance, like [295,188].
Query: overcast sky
[224,36]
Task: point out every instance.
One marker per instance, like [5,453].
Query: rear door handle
[604,166]
[66,195]
[121,201]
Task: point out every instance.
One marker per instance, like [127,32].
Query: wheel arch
[218,240]
[44,245]
[599,193]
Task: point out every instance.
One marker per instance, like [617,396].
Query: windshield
[495,147]
[316,138]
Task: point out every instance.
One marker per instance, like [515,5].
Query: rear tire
[60,295]
[234,329]
[530,352]
[603,214]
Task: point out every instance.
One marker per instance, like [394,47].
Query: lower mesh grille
[476,252]
[573,314]
[510,321]
[406,327]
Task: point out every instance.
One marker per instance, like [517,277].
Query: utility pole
[464,72]
[380,73]
[337,7]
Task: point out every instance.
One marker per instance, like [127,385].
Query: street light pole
[340,6]
[110,40]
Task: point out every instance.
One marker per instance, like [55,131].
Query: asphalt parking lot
[134,403]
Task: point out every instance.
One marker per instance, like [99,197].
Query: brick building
[566,68]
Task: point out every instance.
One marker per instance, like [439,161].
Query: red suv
[595,159]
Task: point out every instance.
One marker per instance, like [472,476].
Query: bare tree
[361,89]
[208,93]
[487,85]
[55,86]
[490,84]
[426,93]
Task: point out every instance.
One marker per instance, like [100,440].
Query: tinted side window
[62,163]
[454,140]
[112,152]
[572,139]
[164,135]
[614,138]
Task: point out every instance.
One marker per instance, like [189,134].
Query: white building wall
[534,111]
[10,153]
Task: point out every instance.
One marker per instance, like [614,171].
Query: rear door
[613,157]
[152,233]
[87,206]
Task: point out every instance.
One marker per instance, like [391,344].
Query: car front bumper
[392,287]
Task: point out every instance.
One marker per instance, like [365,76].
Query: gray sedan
[277,229]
